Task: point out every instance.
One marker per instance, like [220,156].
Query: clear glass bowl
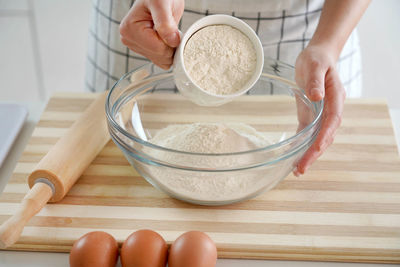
[145,100]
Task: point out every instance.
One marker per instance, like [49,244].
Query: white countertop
[44,259]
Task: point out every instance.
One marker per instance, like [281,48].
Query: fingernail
[172,39]
[296,172]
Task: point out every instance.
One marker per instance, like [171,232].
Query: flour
[207,138]
[220,59]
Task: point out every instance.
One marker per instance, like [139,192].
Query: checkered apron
[285,27]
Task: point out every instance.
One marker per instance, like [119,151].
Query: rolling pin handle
[86,137]
[31,204]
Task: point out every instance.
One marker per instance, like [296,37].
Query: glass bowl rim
[282,143]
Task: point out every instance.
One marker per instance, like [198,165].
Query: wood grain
[346,208]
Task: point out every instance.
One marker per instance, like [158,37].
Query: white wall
[42,47]
[379,31]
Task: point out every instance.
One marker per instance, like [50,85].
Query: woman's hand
[317,75]
[150,29]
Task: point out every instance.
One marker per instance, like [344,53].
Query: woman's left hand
[316,74]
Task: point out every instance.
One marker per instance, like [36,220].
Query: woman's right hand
[151,29]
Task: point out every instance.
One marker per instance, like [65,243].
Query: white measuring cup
[187,86]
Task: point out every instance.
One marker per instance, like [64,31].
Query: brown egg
[94,249]
[144,248]
[194,249]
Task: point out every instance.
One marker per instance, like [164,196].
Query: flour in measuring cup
[220,59]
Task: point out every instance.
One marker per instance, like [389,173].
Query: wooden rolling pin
[60,168]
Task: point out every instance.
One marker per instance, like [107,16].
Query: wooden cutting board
[346,208]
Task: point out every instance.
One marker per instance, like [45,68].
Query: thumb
[164,22]
[315,84]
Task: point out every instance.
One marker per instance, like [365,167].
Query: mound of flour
[220,59]
[207,138]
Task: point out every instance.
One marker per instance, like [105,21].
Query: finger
[333,110]
[304,114]
[162,62]
[147,39]
[158,59]
[164,66]
[296,172]
[330,121]
[160,49]
[164,22]
[315,81]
